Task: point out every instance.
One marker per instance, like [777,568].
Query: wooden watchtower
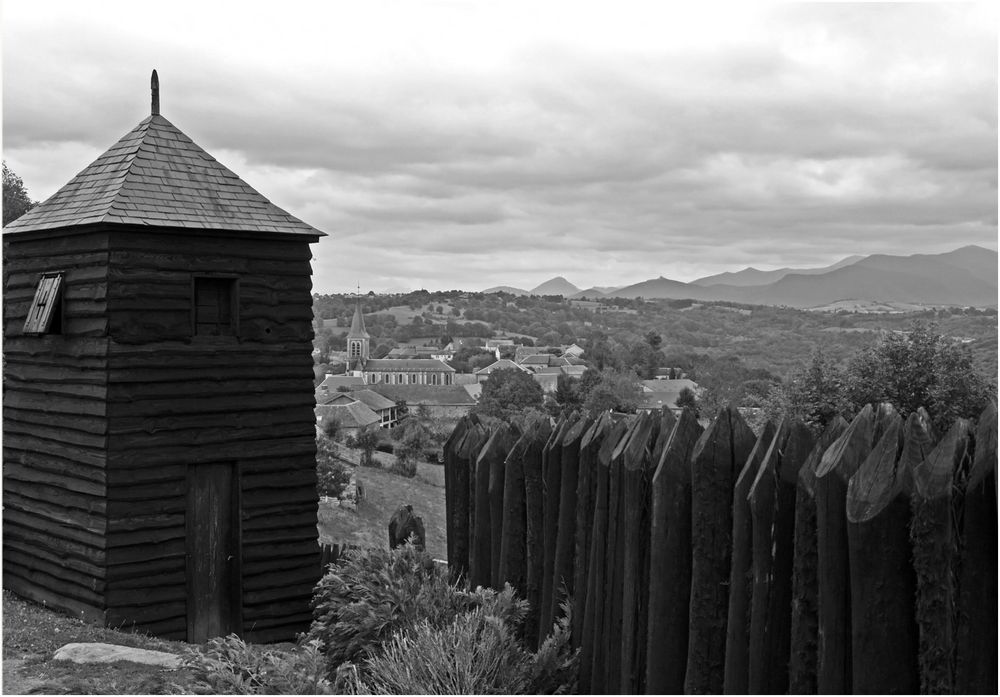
[158,427]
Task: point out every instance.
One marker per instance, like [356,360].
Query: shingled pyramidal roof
[156,176]
[358,324]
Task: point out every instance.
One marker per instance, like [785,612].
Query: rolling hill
[965,276]
[556,286]
[755,277]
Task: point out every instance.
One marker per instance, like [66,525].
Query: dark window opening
[215,306]
[45,314]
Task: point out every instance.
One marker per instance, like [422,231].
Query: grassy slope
[32,633]
[368,526]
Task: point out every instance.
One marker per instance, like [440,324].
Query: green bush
[332,475]
[553,669]
[229,666]
[475,654]
[404,465]
[370,594]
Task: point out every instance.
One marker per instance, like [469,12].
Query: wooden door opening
[214,597]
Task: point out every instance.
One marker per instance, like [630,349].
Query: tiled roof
[156,176]
[537,359]
[441,395]
[668,385]
[502,364]
[390,365]
[353,415]
[373,400]
[548,370]
[332,382]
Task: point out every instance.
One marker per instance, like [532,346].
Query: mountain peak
[556,286]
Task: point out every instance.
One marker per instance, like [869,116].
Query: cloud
[472,145]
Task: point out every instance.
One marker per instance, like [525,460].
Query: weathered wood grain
[935,504]
[593,656]
[670,560]
[976,650]
[883,583]
[802,664]
[737,669]
[772,507]
[718,457]
[838,464]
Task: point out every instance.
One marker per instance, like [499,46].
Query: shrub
[404,465]
[332,476]
[475,654]
[330,426]
[370,594]
[367,441]
[229,666]
[363,599]
[553,668]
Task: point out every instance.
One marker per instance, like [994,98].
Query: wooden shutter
[213,306]
[45,306]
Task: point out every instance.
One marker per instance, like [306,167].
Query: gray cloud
[822,131]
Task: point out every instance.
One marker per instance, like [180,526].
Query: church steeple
[358,339]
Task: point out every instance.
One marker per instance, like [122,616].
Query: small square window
[45,315]
[215,306]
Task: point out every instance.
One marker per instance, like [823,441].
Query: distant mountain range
[965,276]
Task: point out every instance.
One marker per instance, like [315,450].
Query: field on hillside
[384,492]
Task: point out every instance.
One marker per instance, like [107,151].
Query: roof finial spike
[154,85]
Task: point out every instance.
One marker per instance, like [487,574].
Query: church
[390,371]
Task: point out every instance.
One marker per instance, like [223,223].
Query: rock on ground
[108,653]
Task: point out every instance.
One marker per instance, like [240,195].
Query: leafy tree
[644,359]
[617,390]
[329,426]
[366,442]
[462,360]
[507,392]
[332,477]
[813,395]
[687,398]
[16,201]
[654,340]
[566,394]
[413,440]
[918,368]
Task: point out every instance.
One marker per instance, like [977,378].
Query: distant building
[352,415]
[483,374]
[332,384]
[664,393]
[386,409]
[441,401]
[407,371]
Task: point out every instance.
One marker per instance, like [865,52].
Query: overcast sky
[468,144]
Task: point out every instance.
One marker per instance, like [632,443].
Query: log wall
[176,401]
[55,426]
